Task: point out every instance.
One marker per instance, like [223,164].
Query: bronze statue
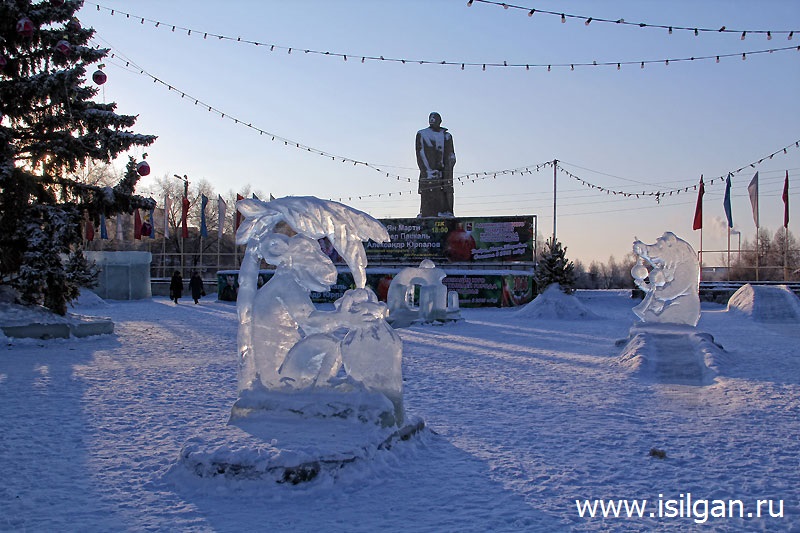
[436,159]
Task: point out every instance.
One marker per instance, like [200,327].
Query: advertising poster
[456,240]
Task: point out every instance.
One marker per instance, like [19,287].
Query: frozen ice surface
[286,346]
[434,301]
[669,274]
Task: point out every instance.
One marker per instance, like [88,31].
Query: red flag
[786,201]
[137,225]
[698,210]
[238,214]
[184,216]
[90,230]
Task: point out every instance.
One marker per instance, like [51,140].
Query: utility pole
[184,214]
[555,171]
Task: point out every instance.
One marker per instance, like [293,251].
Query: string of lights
[462,64]
[658,195]
[622,22]
[118,59]
[123,62]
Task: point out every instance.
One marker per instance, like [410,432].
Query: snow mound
[553,304]
[285,448]
[670,353]
[89,299]
[766,303]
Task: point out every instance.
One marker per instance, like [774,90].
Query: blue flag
[103,230]
[727,202]
[203,203]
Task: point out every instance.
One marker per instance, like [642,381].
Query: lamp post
[184,215]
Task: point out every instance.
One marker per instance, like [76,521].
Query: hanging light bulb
[563,18]
[744,56]
[744,33]
[769,36]
[670,30]
[696,33]
[588,21]
[469,4]
[532,11]
[642,66]
[717,59]
[791,34]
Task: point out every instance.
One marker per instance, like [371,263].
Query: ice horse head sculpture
[672,293]
[435,304]
[345,362]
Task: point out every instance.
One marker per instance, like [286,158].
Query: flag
[222,207]
[184,217]
[151,220]
[166,216]
[237,215]
[89,230]
[785,197]
[698,210]
[137,224]
[753,190]
[203,204]
[103,229]
[726,203]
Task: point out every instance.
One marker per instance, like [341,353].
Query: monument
[436,159]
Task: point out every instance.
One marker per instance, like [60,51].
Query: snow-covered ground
[525,415]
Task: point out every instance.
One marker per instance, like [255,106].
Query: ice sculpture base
[311,405]
[670,353]
[284,448]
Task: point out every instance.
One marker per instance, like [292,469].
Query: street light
[185,180]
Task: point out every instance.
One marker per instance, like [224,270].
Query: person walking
[176,287]
[196,285]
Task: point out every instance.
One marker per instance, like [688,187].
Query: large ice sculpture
[672,293]
[291,353]
[435,304]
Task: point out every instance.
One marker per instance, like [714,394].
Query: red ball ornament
[25,27]
[143,168]
[99,77]
[64,48]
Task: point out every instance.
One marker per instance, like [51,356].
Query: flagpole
[729,253]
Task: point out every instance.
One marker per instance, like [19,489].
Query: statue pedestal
[287,448]
[670,353]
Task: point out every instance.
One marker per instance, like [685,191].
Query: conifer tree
[49,127]
[554,267]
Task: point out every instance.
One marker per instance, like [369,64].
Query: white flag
[222,207]
[753,190]
[166,216]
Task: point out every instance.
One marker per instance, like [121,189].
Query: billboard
[456,240]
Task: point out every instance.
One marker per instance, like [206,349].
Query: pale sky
[632,129]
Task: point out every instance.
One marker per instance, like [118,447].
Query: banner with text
[456,240]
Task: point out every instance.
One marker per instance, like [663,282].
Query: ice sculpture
[672,293]
[287,348]
[435,304]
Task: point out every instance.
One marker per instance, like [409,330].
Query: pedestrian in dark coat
[176,287]
[196,285]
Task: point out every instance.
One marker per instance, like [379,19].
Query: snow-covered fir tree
[49,127]
[554,267]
